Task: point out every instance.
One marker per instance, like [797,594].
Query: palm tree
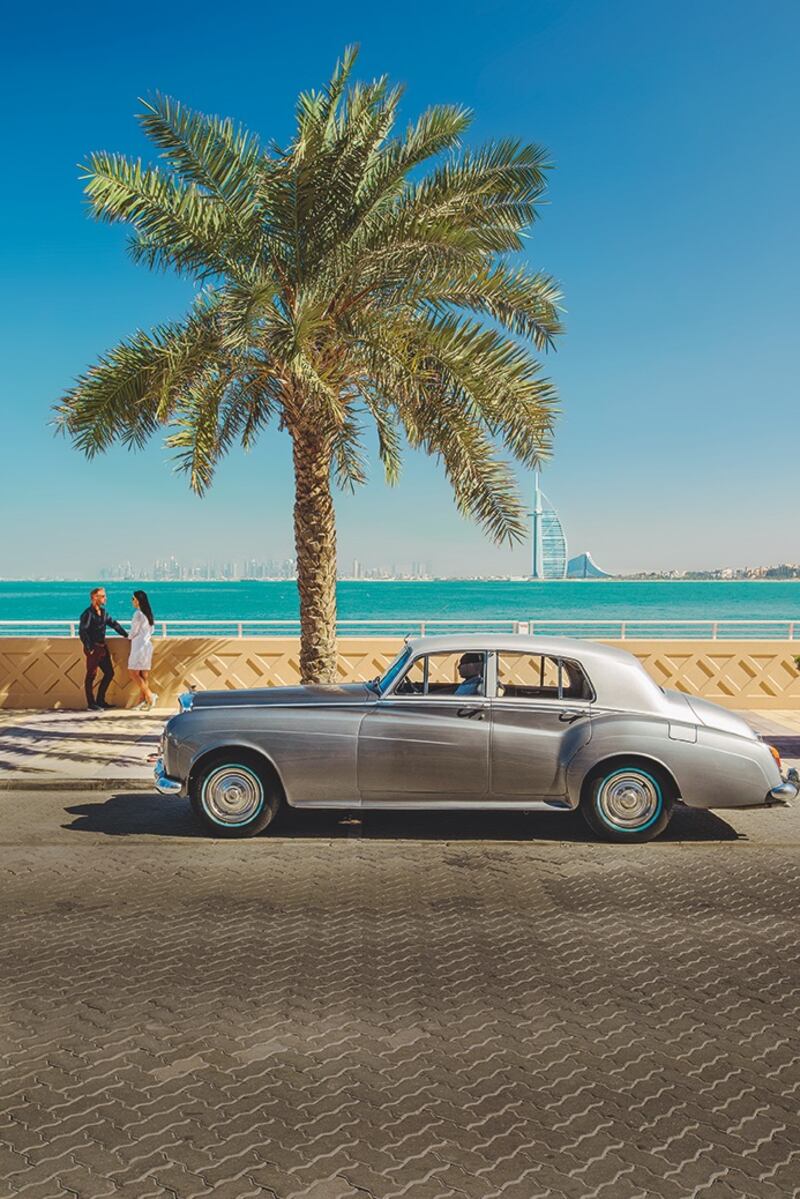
[341,285]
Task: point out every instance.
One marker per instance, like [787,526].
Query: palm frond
[175,223]
[389,447]
[214,154]
[335,90]
[134,388]
[527,305]
[484,487]
[204,428]
[349,461]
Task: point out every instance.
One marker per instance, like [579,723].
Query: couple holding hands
[93,624]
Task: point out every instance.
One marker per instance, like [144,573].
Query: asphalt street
[423,1006]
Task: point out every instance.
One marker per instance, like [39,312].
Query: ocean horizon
[25,603]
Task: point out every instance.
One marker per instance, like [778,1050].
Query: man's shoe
[106,706]
[95,707]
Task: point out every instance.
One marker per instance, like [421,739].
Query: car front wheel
[234,798]
[627,802]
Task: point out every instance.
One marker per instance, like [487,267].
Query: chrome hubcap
[629,799]
[232,795]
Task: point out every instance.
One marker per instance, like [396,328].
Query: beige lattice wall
[42,672]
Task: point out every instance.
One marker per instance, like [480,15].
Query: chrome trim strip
[456,805]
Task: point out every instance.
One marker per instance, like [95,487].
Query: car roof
[518,643]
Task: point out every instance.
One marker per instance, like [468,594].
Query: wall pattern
[42,672]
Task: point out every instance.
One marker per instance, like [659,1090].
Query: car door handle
[568,716]
[470,712]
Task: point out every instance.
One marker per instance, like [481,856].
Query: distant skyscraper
[548,543]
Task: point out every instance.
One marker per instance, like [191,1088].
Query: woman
[140,658]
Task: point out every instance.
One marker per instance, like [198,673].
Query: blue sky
[671,224]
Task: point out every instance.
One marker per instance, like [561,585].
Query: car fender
[618,734]
[713,769]
[233,744]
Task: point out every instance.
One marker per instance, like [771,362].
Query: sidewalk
[781,729]
[79,749]
[102,750]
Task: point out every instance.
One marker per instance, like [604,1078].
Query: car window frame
[462,701]
[403,659]
[549,701]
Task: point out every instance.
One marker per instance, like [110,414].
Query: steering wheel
[407,687]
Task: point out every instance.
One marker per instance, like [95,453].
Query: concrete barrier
[47,672]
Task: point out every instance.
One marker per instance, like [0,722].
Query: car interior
[439,674]
[523,676]
[519,676]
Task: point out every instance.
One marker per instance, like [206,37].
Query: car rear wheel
[234,798]
[627,802]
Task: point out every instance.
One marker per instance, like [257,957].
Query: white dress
[141,639]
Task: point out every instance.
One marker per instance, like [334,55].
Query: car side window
[539,676]
[413,681]
[446,674]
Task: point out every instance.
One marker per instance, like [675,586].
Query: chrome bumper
[788,789]
[164,783]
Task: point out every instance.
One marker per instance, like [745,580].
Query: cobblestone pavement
[467,1006]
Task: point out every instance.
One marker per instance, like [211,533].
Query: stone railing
[47,672]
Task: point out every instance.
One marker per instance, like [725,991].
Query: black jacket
[93,627]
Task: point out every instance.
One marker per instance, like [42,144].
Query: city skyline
[283,570]
[173,570]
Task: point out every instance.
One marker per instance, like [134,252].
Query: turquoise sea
[409,603]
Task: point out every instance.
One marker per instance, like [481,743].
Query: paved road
[428,1007]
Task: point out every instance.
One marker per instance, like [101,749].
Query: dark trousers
[96,657]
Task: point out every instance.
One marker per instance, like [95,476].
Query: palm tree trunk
[315,546]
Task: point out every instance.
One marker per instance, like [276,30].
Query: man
[94,622]
[470,667]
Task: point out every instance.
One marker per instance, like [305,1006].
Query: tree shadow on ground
[143,814]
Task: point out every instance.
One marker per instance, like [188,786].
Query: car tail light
[776,756]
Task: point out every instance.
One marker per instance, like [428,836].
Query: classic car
[487,722]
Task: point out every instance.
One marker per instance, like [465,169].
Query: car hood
[702,711]
[345,693]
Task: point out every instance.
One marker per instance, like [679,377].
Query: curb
[51,782]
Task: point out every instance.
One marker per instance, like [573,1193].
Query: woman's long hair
[144,604]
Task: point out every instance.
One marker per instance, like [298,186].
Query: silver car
[505,722]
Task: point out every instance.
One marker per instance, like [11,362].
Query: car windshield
[391,674]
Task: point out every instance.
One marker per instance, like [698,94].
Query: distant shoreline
[520,579]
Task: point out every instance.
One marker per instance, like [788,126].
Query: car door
[419,745]
[540,717]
